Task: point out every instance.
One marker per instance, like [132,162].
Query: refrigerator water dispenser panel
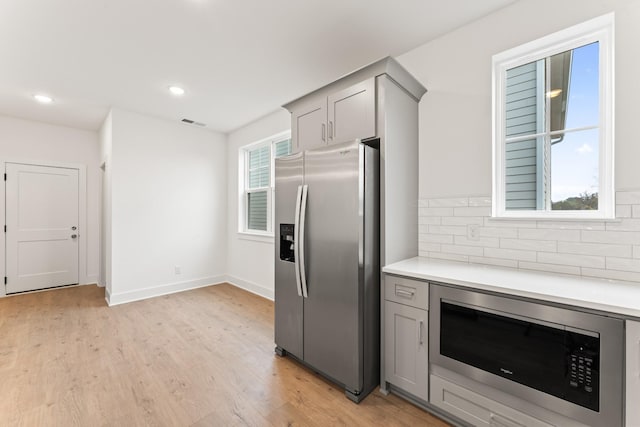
[286,242]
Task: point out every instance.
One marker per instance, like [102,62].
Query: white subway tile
[473,211]
[430,220]
[611,274]
[550,268]
[614,237]
[623,264]
[549,234]
[436,238]
[635,211]
[435,212]
[450,257]
[487,242]
[429,247]
[529,245]
[628,197]
[623,211]
[423,254]
[423,203]
[572,225]
[480,201]
[602,249]
[423,228]
[459,230]
[494,261]
[625,224]
[448,202]
[462,250]
[462,220]
[514,254]
[636,251]
[571,259]
[509,233]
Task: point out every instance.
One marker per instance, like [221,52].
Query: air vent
[192,122]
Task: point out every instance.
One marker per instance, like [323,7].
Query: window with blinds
[258,188]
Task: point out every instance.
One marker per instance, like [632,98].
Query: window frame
[601,30]
[244,191]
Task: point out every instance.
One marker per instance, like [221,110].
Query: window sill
[256,237]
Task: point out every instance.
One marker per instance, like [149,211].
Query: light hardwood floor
[198,358]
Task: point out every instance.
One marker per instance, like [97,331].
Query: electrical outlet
[178,269]
[473,232]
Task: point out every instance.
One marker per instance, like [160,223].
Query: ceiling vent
[192,122]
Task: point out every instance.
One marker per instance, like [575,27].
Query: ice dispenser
[286,242]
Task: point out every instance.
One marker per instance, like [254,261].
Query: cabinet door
[308,125]
[632,411]
[352,112]
[406,349]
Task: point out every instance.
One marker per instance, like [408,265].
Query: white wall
[168,207]
[250,263]
[106,142]
[26,140]
[455,114]
[455,147]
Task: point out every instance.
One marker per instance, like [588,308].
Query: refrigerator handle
[303,211]
[296,241]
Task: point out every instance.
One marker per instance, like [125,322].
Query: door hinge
[5,228]
[5,176]
[5,280]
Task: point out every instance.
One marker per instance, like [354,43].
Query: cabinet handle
[323,132]
[330,129]
[420,332]
[404,294]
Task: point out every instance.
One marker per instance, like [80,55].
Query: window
[257,182]
[553,125]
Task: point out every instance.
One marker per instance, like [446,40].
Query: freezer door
[288,299]
[332,311]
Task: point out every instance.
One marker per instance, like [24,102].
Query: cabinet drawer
[406,291]
[476,409]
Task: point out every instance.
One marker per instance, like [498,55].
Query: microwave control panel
[581,369]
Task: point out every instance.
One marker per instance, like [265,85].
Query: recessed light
[176,90]
[43,99]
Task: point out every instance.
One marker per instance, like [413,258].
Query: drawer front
[407,291]
[476,409]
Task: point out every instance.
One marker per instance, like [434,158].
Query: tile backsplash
[462,229]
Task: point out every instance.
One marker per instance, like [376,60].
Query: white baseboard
[250,286]
[156,291]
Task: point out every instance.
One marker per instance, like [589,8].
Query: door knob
[73,236]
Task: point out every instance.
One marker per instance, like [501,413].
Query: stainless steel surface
[289,306]
[301,236]
[296,241]
[332,308]
[337,256]
[611,333]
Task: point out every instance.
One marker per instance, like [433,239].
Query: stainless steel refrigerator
[327,272]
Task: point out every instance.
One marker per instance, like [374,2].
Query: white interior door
[42,227]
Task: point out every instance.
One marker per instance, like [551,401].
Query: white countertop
[604,295]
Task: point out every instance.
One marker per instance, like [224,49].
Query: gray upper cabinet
[308,125]
[342,116]
[352,113]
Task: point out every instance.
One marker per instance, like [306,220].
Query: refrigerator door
[332,311]
[289,306]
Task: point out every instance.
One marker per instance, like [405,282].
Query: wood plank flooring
[198,358]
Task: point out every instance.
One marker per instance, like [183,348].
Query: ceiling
[238,60]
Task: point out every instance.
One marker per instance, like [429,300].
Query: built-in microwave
[564,360]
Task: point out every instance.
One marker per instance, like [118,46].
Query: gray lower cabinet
[406,349]
[476,409]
